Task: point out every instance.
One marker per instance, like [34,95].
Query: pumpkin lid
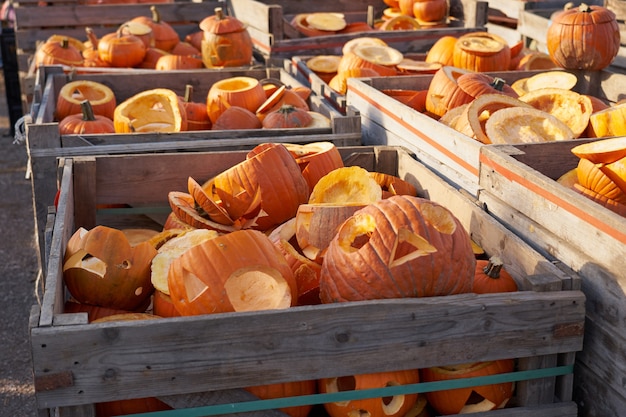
[220,24]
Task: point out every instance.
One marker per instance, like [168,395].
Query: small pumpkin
[287,117]
[237,118]
[390,406]
[491,277]
[197,117]
[442,51]
[100,96]
[85,122]
[120,49]
[59,51]
[430,10]
[101,268]
[226,41]
[240,91]
[584,37]
[482,52]
[470,399]
[164,35]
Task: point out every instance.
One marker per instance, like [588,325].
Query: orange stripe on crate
[566,205]
[473,170]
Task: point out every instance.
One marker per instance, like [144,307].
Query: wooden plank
[271,346]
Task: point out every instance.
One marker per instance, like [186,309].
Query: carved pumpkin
[102,268]
[266,188]
[100,96]
[285,390]
[226,41]
[407,243]
[525,125]
[608,122]
[86,122]
[452,87]
[590,176]
[164,35]
[315,159]
[283,96]
[241,91]
[156,110]
[584,37]
[391,406]
[121,50]
[471,399]
[238,271]
[491,277]
[305,270]
[482,52]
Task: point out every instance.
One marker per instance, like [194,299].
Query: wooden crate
[33,25]
[273,35]
[454,155]
[541,325]
[533,26]
[45,144]
[518,187]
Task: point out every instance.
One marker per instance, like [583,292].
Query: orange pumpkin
[86,122]
[241,91]
[103,269]
[197,117]
[590,176]
[285,390]
[58,51]
[287,117]
[237,118]
[173,62]
[315,159]
[238,271]
[164,35]
[226,41]
[471,399]
[482,52]
[406,242]
[430,10]
[119,49]
[584,37]
[100,96]
[390,406]
[442,51]
[491,277]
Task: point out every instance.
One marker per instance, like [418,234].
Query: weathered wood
[445,150]
[273,36]
[518,187]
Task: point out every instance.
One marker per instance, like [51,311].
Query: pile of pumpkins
[600,174]
[314,231]
[148,42]
[233,103]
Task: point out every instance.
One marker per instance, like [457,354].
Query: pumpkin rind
[226,41]
[100,96]
[398,247]
[156,110]
[585,37]
[238,271]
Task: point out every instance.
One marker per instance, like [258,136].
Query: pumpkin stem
[219,13]
[156,16]
[584,8]
[188,93]
[493,267]
[92,38]
[87,110]
[498,83]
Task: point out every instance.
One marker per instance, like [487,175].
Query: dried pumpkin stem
[498,83]
[87,111]
[493,267]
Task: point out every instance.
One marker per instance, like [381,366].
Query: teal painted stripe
[422,387]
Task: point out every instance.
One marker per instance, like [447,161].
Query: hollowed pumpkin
[157,110]
[471,399]
[100,96]
[482,52]
[240,91]
[102,268]
[315,159]
[398,247]
[391,406]
[238,271]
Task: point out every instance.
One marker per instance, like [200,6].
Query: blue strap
[422,387]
